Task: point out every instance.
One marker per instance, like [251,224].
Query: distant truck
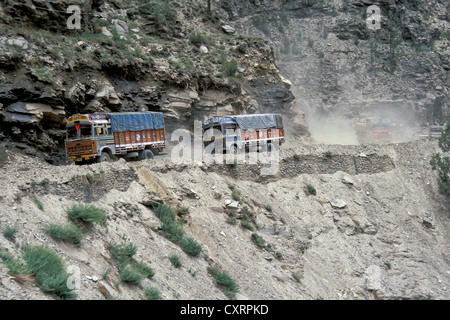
[104,136]
[243,133]
[373,131]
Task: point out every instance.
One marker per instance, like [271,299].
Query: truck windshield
[84,131]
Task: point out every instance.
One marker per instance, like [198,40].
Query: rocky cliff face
[128,56]
[343,68]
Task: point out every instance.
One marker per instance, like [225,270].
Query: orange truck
[373,131]
[241,133]
[105,136]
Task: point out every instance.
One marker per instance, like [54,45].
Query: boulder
[338,203]
[228,29]
[106,32]
[347,180]
[151,200]
[233,205]
[120,26]
[427,222]
[19,42]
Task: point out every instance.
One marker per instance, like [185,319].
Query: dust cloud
[338,126]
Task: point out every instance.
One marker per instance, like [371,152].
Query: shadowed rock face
[125,61]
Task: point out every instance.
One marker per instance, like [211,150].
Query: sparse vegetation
[49,270]
[69,233]
[311,190]
[247,224]
[10,233]
[230,68]
[122,252]
[39,204]
[236,194]
[260,242]
[224,281]
[191,246]
[130,270]
[152,293]
[197,38]
[328,154]
[297,277]
[86,213]
[172,229]
[175,260]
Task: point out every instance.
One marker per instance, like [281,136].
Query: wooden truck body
[237,133]
[103,136]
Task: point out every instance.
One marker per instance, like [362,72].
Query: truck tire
[145,154]
[104,157]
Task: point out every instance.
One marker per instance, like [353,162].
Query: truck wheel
[104,157]
[146,154]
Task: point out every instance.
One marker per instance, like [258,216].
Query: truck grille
[80,148]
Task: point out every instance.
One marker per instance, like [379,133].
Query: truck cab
[86,137]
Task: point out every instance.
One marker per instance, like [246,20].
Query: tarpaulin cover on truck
[136,121]
[258,121]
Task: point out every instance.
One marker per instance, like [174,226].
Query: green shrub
[144,269]
[236,195]
[279,255]
[68,233]
[152,293]
[224,280]
[173,231]
[247,224]
[39,204]
[10,233]
[86,213]
[122,252]
[259,240]
[130,275]
[328,154]
[229,67]
[311,189]
[191,246]
[297,277]
[175,260]
[131,271]
[269,207]
[165,213]
[49,270]
[15,266]
[197,38]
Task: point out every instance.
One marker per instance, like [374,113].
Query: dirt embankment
[375,233]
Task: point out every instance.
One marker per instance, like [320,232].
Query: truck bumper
[82,158]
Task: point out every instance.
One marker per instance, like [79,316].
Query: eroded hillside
[380,234]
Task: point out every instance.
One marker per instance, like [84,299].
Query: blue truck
[105,136]
[243,133]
